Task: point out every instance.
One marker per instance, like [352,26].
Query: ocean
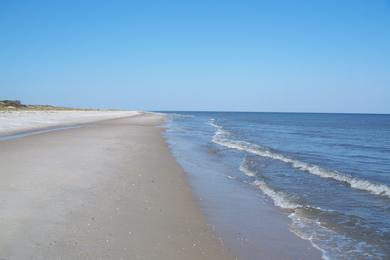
[329,174]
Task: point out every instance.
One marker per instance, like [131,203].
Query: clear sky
[315,56]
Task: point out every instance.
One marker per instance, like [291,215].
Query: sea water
[329,173]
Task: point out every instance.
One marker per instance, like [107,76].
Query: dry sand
[107,190]
[12,122]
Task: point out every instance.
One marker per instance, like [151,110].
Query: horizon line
[284,112]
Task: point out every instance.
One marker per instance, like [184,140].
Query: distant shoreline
[17,121]
[16,105]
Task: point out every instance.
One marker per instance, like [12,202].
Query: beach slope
[106,190]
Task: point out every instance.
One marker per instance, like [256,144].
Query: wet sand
[107,190]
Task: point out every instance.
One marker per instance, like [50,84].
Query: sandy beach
[106,190]
[16,122]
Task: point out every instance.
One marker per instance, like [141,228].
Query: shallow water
[330,173]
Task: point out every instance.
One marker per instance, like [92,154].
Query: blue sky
[313,56]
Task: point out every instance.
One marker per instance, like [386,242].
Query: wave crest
[221,137]
[280,199]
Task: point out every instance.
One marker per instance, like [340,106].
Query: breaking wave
[280,199]
[318,225]
[310,223]
[221,137]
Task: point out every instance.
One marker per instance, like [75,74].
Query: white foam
[310,229]
[322,238]
[325,239]
[220,132]
[280,199]
[246,171]
[221,137]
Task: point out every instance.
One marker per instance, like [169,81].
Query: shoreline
[247,220]
[109,189]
